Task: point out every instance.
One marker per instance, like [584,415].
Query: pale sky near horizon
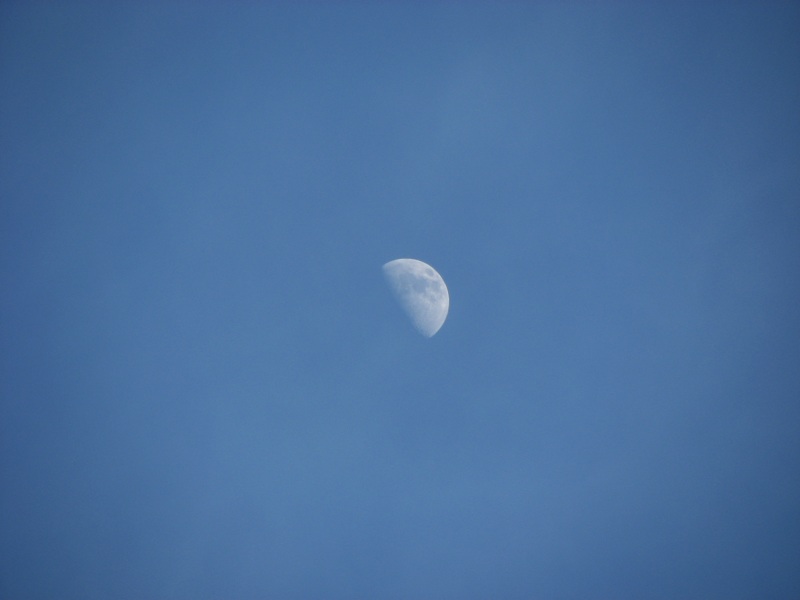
[207,390]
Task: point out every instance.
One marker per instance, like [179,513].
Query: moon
[420,291]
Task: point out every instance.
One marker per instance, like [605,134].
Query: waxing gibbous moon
[420,291]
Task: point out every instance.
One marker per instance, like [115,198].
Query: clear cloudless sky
[207,390]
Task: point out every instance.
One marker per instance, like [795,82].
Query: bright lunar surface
[420,291]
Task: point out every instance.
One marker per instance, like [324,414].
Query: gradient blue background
[208,392]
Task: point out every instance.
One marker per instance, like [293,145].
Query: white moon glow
[420,291]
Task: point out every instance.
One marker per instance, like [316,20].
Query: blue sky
[207,390]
